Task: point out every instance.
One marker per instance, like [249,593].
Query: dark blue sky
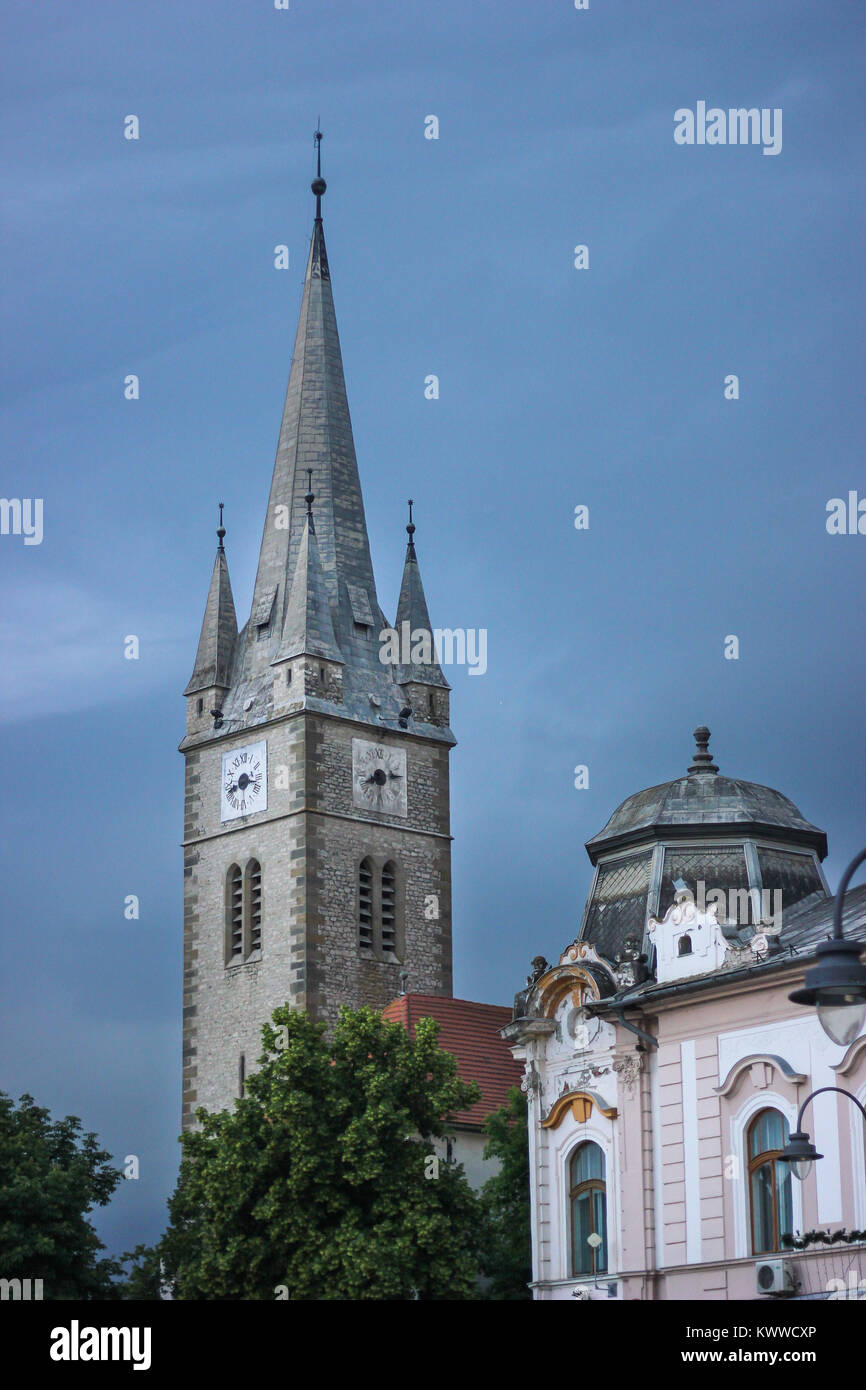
[558,387]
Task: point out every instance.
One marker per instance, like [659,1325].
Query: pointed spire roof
[316,432]
[308,629]
[412,609]
[219,627]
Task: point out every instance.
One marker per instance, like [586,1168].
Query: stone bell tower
[317,849]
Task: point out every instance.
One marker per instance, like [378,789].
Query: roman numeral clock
[379,777]
[244,787]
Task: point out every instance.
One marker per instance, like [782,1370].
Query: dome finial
[318,185]
[703,761]
[221,530]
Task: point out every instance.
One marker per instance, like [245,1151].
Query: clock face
[379,777]
[244,781]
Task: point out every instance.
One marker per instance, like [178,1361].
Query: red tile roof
[470,1032]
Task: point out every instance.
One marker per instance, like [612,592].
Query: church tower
[317,850]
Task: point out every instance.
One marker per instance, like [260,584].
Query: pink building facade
[664,1066]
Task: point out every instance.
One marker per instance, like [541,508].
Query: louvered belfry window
[389,908]
[235,904]
[365,905]
[254,875]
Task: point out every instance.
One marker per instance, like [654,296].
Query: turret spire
[219,629]
[413,619]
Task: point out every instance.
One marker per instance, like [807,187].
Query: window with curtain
[588,1210]
[770,1200]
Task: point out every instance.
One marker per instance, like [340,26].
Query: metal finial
[703,761]
[411,527]
[318,185]
[309,498]
[221,530]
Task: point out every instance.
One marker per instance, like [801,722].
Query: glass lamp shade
[841,1017]
[836,987]
[800,1153]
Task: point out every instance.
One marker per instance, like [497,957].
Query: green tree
[144,1279]
[51,1176]
[321,1181]
[507,1249]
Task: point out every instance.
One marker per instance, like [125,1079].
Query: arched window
[684,945]
[254,880]
[380,909]
[769,1182]
[588,1198]
[389,908]
[234,914]
[243,938]
[365,905]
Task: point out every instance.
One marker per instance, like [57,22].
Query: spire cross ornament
[221,531]
[318,185]
[309,498]
[411,527]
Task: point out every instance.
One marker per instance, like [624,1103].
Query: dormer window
[261,616]
[684,945]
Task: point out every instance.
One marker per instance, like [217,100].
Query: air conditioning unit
[775,1277]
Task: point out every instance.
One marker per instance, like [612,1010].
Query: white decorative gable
[688,942]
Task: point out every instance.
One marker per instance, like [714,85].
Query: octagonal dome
[703,801]
[705,831]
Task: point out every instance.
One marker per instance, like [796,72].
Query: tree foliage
[507,1257]
[320,1184]
[51,1176]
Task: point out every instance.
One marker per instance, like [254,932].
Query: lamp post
[836,984]
[799,1151]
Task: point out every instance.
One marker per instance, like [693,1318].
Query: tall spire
[412,609]
[316,440]
[219,628]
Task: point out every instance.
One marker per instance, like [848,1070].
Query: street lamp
[799,1151]
[836,985]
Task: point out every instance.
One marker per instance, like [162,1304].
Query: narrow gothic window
[254,878]
[234,914]
[365,905]
[389,908]
[769,1182]
[199,706]
[588,1210]
[242,1075]
[432,704]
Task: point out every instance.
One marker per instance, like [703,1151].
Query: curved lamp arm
[822,1089]
[840,899]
